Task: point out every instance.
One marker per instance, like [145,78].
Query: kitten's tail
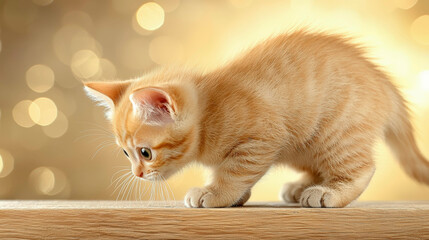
[399,135]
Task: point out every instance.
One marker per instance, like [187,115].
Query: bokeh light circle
[48,180]
[420,29]
[43,111]
[40,78]
[85,64]
[58,128]
[21,114]
[6,163]
[405,4]
[169,5]
[150,16]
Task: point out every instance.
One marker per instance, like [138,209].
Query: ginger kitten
[311,101]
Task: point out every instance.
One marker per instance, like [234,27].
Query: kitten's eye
[146,153]
[126,154]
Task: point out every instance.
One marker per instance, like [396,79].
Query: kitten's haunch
[312,101]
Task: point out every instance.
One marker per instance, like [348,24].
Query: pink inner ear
[153,97]
[154,104]
[156,99]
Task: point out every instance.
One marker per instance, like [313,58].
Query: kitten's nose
[138,172]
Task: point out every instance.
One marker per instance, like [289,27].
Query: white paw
[291,192]
[318,196]
[196,198]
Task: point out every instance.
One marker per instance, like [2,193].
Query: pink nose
[141,175]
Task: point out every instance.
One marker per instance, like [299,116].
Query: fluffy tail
[399,135]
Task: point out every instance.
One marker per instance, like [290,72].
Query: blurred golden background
[55,143]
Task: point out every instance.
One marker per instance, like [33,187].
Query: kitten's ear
[106,94]
[154,105]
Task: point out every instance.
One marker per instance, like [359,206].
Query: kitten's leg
[243,199]
[341,187]
[232,180]
[228,188]
[291,192]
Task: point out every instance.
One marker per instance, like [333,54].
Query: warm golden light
[48,47]
[40,78]
[48,180]
[150,16]
[43,111]
[134,53]
[424,80]
[58,128]
[405,4]
[18,15]
[169,5]
[85,64]
[21,115]
[6,163]
[165,50]
[241,3]
[107,69]
[78,18]
[420,30]
[43,2]
[71,38]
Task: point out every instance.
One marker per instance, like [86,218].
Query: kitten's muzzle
[152,176]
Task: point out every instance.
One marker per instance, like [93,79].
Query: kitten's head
[154,124]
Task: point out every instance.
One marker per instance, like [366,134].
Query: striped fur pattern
[311,101]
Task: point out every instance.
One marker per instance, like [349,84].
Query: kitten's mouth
[153,176]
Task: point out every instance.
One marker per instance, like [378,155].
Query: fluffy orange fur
[312,101]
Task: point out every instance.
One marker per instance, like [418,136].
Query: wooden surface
[137,220]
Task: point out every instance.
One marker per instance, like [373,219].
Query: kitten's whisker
[139,189]
[117,153]
[96,130]
[166,194]
[126,187]
[123,184]
[160,194]
[120,184]
[152,189]
[98,135]
[161,190]
[100,148]
[122,166]
[85,134]
[131,188]
[168,191]
[146,188]
[117,179]
[118,172]
[171,190]
[121,180]
[98,126]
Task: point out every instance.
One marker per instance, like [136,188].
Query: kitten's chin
[156,176]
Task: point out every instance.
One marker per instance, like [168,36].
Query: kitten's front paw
[318,196]
[197,197]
